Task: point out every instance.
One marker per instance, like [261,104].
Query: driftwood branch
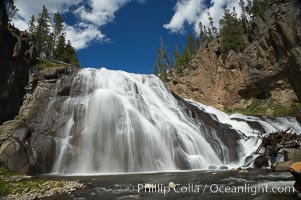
[274,142]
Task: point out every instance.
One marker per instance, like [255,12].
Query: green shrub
[45,63]
[261,107]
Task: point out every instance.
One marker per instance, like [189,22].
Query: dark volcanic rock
[16,56]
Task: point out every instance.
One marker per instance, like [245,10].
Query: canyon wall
[268,69]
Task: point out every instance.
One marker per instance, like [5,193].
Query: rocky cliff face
[26,143]
[269,69]
[25,93]
[17,53]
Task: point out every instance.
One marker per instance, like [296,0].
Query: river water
[256,184]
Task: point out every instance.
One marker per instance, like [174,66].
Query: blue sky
[134,38]
[125,34]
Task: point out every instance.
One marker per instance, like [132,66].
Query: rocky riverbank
[20,187]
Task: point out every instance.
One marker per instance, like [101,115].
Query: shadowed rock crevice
[17,53]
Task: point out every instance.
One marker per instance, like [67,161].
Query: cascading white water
[243,124]
[117,122]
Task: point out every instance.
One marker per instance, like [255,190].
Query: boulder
[13,156]
[295,170]
[292,155]
[224,167]
[261,161]
[45,150]
[282,166]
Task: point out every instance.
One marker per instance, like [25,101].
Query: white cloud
[91,15]
[100,11]
[27,8]
[185,11]
[194,11]
[82,35]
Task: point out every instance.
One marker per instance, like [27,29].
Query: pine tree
[50,41]
[57,31]
[160,66]
[163,62]
[231,32]
[204,36]
[189,51]
[177,61]
[43,36]
[244,18]
[58,24]
[212,30]
[191,45]
[70,55]
[32,25]
[60,48]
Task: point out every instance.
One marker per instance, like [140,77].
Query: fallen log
[274,142]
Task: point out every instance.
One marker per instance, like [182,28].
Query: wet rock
[248,160]
[282,166]
[224,167]
[261,161]
[44,147]
[212,167]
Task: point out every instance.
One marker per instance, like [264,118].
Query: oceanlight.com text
[212,188]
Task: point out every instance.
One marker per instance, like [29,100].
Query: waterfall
[115,122]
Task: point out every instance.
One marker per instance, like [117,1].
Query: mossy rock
[266,107]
